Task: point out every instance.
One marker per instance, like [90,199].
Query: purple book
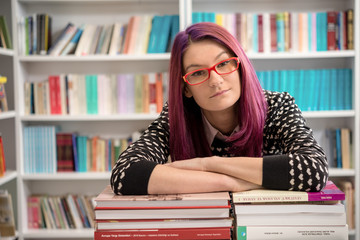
[328,194]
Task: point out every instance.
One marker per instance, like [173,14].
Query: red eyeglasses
[224,67]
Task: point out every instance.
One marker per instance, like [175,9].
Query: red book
[331,34]
[260,33]
[179,234]
[65,152]
[273,32]
[2,158]
[54,92]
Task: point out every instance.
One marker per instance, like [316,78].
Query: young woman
[220,130]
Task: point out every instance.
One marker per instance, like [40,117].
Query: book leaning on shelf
[5,39]
[3,99]
[175,216]
[2,157]
[280,214]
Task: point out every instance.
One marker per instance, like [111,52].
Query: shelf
[68,176]
[9,175]
[303,55]
[339,172]
[7,115]
[96,58]
[6,52]
[48,234]
[117,117]
[329,114]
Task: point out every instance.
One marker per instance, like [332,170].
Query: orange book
[94,166]
[2,158]
[159,92]
[134,34]
[128,35]
[300,31]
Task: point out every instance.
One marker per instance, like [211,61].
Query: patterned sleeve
[132,171]
[293,160]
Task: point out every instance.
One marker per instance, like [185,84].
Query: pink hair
[187,136]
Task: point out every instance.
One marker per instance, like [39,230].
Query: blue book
[325,90]
[70,47]
[275,81]
[260,76]
[333,89]
[267,80]
[291,80]
[283,81]
[154,34]
[338,148]
[164,34]
[255,38]
[197,17]
[175,27]
[75,148]
[280,32]
[348,89]
[300,88]
[340,89]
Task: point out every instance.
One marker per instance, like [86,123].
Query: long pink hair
[187,136]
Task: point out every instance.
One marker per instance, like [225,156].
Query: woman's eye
[198,73]
[223,64]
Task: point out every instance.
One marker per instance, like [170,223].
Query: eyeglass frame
[210,69]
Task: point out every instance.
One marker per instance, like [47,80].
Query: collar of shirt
[212,132]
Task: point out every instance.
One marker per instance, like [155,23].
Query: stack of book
[179,216]
[273,214]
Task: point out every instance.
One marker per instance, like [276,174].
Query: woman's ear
[187,92]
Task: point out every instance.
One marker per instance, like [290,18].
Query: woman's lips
[219,93]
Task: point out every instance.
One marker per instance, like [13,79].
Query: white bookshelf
[109,11]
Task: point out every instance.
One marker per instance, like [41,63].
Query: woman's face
[219,92]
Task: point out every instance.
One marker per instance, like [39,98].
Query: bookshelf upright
[21,68]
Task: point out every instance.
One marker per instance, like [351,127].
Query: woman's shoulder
[276,99]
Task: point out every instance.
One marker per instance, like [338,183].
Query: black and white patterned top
[292,159]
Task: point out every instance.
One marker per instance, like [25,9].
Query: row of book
[254,214]
[313,89]
[337,144]
[287,31]
[34,34]
[60,212]
[177,216]
[141,34]
[3,98]
[7,220]
[47,150]
[78,94]
[5,38]
[278,214]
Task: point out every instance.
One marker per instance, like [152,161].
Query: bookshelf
[20,68]
[317,120]
[7,119]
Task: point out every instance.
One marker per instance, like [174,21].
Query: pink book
[330,193]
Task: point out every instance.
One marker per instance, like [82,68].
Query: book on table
[329,193]
[282,214]
[165,216]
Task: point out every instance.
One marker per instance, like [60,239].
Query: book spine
[292,232]
[188,233]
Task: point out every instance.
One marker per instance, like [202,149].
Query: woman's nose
[215,79]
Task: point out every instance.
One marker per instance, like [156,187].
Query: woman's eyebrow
[198,65]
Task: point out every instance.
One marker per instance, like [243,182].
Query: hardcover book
[329,193]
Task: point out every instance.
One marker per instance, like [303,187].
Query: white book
[249,34]
[74,212]
[82,94]
[73,94]
[266,32]
[188,213]
[292,232]
[63,94]
[115,39]
[294,32]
